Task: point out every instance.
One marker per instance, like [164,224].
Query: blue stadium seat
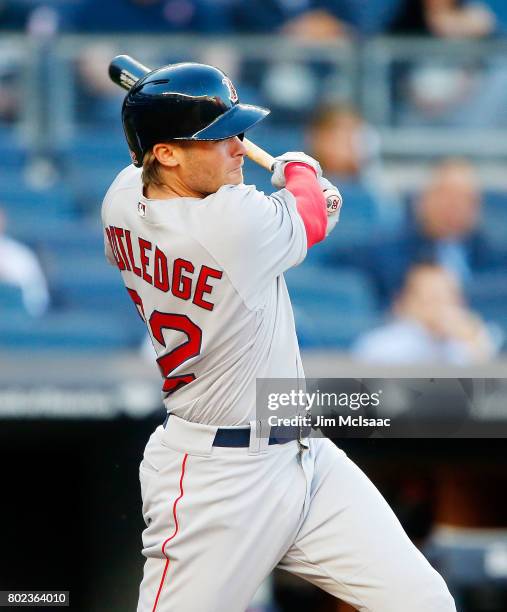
[487,295]
[494,218]
[76,240]
[324,327]
[44,203]
[488,289]
[69,331]
[88,281]
[24,203]
[343,246]
[38,230]
[90,184]
[11,298]
[94,145]
[253,174]
[93,162]
[331,307]
[278,139]
[13,152]
[344,289]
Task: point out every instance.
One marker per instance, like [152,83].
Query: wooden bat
[125,71]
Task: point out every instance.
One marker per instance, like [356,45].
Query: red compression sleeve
[301,181]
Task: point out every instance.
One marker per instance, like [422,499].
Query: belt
[240,437]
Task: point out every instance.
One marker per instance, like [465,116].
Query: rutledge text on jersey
[152,266]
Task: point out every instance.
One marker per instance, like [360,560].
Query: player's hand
[334,203]
[278,178]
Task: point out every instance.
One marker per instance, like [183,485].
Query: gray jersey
[207,277]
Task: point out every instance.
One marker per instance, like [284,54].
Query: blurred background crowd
[409,128]
[403,102]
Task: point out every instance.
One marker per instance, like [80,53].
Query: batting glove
[278,178]
[334,203]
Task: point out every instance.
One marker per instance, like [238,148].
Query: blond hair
[152,170]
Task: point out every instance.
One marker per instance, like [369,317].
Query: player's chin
[235,176]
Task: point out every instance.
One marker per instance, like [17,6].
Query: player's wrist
[295,166]
[292,159]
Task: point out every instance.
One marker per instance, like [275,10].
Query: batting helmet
[185,101]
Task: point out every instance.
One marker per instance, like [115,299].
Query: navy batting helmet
[186,101]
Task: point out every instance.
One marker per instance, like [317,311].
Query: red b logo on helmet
[233,94]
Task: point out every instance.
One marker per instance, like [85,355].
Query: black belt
[240,437]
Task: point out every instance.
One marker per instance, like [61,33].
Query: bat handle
[258,155]
[126,71]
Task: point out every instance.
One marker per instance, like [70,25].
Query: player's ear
[166,154]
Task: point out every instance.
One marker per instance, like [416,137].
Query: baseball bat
[125,71]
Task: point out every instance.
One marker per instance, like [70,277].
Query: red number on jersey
[190,348]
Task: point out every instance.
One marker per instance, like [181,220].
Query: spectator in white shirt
[20,267]
[430,324]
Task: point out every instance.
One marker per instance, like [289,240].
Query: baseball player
[202,256]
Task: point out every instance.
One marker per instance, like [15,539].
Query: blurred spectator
[316,20]
[10,94]
[342,141]
[430,323]
[347,149]
[468,19]
[460,93]
[148,16]
[44,20]
[485,105]
[20,267]
[433,92]
[315,26]
[449,18]
[98,98]
[498,11]
[300,18]
[442,226]
[367,18]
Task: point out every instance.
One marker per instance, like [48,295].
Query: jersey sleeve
[257,237]
[128,177]
[108,251]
